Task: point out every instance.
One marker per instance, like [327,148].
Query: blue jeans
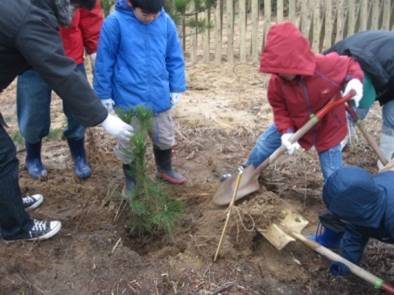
[33,108]
[387,117]
[270,140]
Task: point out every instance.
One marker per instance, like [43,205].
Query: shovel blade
[249,184]
[278,235]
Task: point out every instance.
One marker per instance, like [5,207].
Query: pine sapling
[152,210]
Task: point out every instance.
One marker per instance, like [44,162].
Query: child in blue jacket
[365,203]
[140,62]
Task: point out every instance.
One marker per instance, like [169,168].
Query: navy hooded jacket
[366,203]
[373,50]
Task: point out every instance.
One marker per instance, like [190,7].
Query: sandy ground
[218,121]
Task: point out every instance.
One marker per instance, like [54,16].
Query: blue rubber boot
[327,237]
[34,166]
[81,165]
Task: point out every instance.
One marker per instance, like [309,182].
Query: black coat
[29,38]
[374,50]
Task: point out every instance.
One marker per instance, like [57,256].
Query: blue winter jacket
[366,203]
[137,63]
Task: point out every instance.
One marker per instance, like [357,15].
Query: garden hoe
[289,229]
[250,182]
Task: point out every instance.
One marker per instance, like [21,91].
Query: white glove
[108,104]
[291,147]
[117,128]
[175,97]
[93,60]
[357,86]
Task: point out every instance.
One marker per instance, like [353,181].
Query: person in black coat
[374,52]
[29,39]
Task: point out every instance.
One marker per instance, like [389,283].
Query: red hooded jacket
[83,33]
[319,78]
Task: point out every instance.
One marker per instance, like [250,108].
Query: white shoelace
[39,225]
[28,200]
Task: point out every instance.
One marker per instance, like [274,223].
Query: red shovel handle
[388,288]
[334,103]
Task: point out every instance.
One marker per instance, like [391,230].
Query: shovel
[366,135]
[249,182]
[290,228]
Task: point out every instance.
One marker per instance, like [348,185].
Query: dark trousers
[13,218]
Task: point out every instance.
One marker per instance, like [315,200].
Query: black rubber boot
[164,167]
[34,166]
[81,165]
[129,183]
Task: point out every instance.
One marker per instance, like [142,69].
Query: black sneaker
[32,202]
[40,230]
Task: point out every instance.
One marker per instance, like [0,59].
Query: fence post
[255,30]
[279,10]
[328,28]
[267,19]
[206,36]
[375,14]
[340,20]
[351,17]
[363,15]
[305,18]
[194,34]
[242,31]
[218,32]
[230,30]
[316,26]
[386,14]
[292,11]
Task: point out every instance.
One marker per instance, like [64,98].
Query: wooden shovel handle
[304,129]
[377,282]
[366,135]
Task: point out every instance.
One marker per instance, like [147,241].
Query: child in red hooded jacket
[301,83]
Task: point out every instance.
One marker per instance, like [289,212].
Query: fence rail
[238,27]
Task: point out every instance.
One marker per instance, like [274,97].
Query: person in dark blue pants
[34,95]
[33,110]
[365,204]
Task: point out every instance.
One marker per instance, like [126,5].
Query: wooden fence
[235,29]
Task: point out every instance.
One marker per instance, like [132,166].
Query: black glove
[329,220]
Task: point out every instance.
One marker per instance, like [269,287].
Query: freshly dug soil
[218,121]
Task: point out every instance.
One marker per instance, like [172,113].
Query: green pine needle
[152,209]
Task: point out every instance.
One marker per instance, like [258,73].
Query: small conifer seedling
[152,210]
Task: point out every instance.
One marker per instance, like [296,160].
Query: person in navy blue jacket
[365,203]
[140,62]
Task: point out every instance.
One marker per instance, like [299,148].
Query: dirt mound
[218,122]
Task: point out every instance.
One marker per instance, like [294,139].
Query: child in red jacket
[301,83]
[34,96]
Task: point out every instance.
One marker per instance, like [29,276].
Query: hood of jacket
[287,51]
[352,194]
[123,5]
